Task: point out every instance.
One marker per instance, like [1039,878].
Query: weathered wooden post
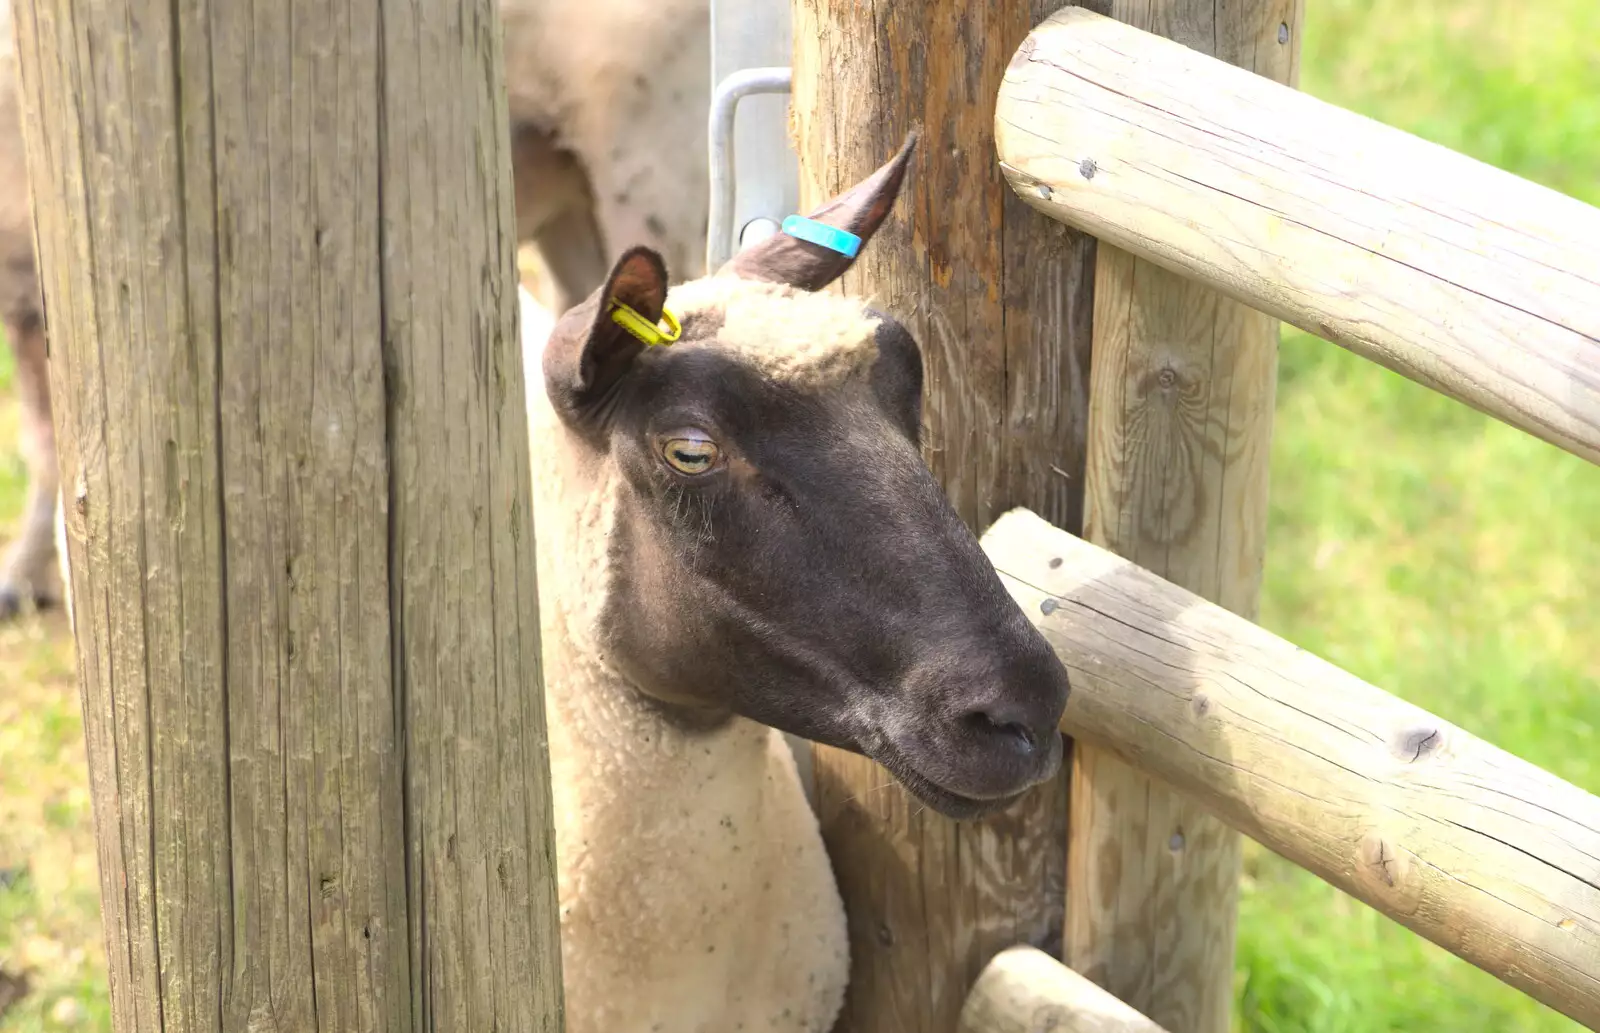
[999,298]
[276,250]
[1180,422]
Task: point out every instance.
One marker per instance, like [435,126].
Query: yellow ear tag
[640,327]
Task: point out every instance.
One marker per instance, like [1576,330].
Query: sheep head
[779,549]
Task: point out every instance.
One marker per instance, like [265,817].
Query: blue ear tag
[830,237]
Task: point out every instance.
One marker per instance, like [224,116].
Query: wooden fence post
[1180,424]
[999,299]
[276,252]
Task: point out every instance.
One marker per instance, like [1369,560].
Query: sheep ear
[588,352]
[781,258]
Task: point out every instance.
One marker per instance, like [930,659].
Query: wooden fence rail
[1460,276]
[1024,989]
[1483,853]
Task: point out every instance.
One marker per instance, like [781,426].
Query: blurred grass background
[49,887]
[1420,545]
[1424,547]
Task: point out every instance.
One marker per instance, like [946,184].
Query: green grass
[1420,545]
[49,889]
[1426,548]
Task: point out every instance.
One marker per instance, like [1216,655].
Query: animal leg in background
[658,198]
[555,210]
[29,571]
[608,106]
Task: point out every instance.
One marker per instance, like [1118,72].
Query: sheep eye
[690,455]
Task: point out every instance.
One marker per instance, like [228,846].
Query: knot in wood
[1087,168]
[1417,743]
[1023,55]
[1167,378]
[1048,607]
[1385,867]
[1380,861]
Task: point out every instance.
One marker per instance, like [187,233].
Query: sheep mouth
[947,802]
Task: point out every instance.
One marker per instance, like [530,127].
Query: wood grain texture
[1180,421]
[1460,276]
[1477,850]
[277,254]
[1024,990]
[1000,300]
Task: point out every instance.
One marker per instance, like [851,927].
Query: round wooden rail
[1025,990]
[1483,853]
[1470,280]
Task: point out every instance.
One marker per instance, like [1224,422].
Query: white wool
[695,891]
[625,85]
[802,338]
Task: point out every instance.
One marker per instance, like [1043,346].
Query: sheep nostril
[1020,731]
[993,724]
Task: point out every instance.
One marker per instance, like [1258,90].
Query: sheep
[592,106]
[737,537]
